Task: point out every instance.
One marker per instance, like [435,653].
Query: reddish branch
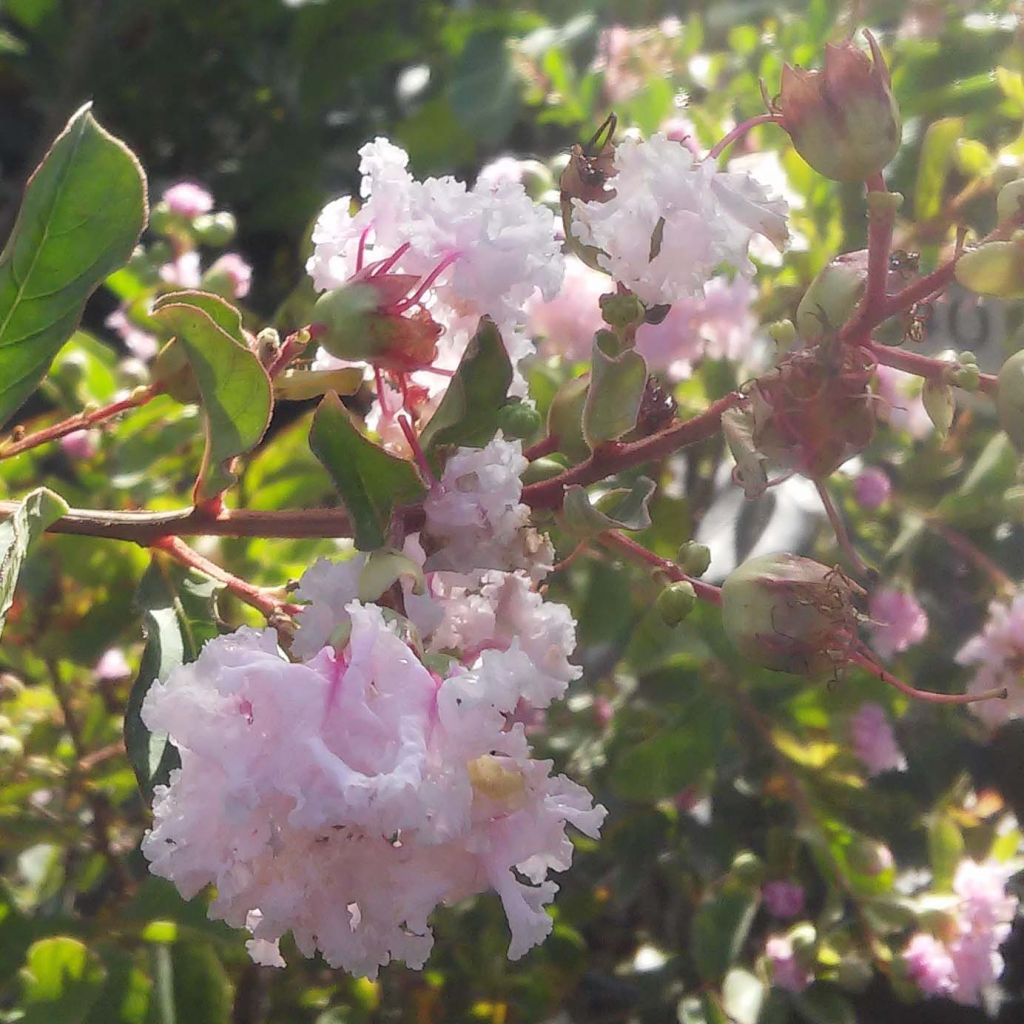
[926,366]
[626,545]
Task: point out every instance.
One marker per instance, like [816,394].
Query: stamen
[426,283]
[862,659]
[417,449]
[361,251]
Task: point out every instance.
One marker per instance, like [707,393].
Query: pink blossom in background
[140,343]
[235,270]
[897,621]
[80,444]
[112,665]
[187,199]
[567,323]
[681,129]
[874,742]
[182,272]
[998,653]
[871,488]
[787,971]
[901,406]
[929,965]
[783,899]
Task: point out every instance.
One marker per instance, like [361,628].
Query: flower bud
[995,268]
[694,558]
[544,469]
[215,229]
[358,325]
[790,614]
[676,602]
[1010,399]
[843,120]
[565,418]
[1010,201]
[783,333]
[622,310]
[519,420]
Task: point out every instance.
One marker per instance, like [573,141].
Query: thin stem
[924,366]
[863,660]
[419,456]
[80,421]
[545,446]
[617,541]
[881,220]
[738,132]
[272,607]
[842,534]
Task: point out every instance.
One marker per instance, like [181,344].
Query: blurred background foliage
[266,102]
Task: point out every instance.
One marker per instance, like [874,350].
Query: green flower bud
[995,268]
[832,297]
[966,377]
[843,120]
[519,420]
[161,220]
[783,333]
[694,558]
[215,229]
[565,418]
[747,867]
[790,614]
[675,602]
[545,468]
[1010,201]
[1010,399]
[621,311]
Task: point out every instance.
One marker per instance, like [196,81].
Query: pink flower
[112,665]
[901,404]
[235,273]
[80,444]
[897,621]
[140,343]
[182,272]
[681,129]
[787,971]
[871,488]
[783,899]
[929,965]
[567,323]
[997,651]
[187,199]
[874,743]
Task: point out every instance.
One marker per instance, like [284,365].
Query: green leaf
[621,508]
[720,928]
[937,154]
[202,989]
[235,389]
[371,481]
[468,413]
[825,1004]
[945,850]
[179,616]
[17,534]
[61,980]
[617,384]
[485,89]
[218,309]
[83,211]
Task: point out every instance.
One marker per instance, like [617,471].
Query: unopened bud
[519,420]
[1010,202]
[173,372]
[694,558]
[268,344]
[748,867]
[995,268]
[215,229]
[843,120]
[967,377]
[790,614]
[621,311]
[545,468]
[161,220]
[783,333]
[676,602]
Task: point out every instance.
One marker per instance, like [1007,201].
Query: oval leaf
[83,212]
[617,386]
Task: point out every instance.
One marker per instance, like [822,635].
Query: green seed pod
[519,420]
[675,602]
[790,614]
[694,558]
[545,468]
[215,229]
[621,311]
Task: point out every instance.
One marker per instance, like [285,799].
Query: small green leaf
[945,850]
[18,532]
[617,384]
[235,389]
[219,310]
[621,508]
[751,465]
[371,481]
[179,616]
[720,928]
[83,211]
[1012,84]
[485,89]
[937,153]
[468,413]
[940,404]
[202,989]
[61,980]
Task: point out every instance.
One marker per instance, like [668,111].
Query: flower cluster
[966,960]
[343,795]
[998,653]
[874,742]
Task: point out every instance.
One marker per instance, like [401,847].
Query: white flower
[674,219]
[476,516]
[328,586]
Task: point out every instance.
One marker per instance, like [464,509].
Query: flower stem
[617,541]
[925,366]
[738,132]
[80,421]
[842,534]
[863,660]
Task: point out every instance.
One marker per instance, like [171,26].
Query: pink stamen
[417,450]
[387,264]
[426,283]
[435,369]
[361,251]
[378,379]
[337,675]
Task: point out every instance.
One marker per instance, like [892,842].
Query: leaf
[371,481]
[720,928]
[17,534]
[940,404]
[202,990]
[937,154]
[218,309]
[82,214]
[178,618]
[61,980]
[945,850]
[621,508]
[485,89]
[468,413]
[235,389]
[617,384]
[825,1004]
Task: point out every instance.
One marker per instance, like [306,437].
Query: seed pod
[676,602]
